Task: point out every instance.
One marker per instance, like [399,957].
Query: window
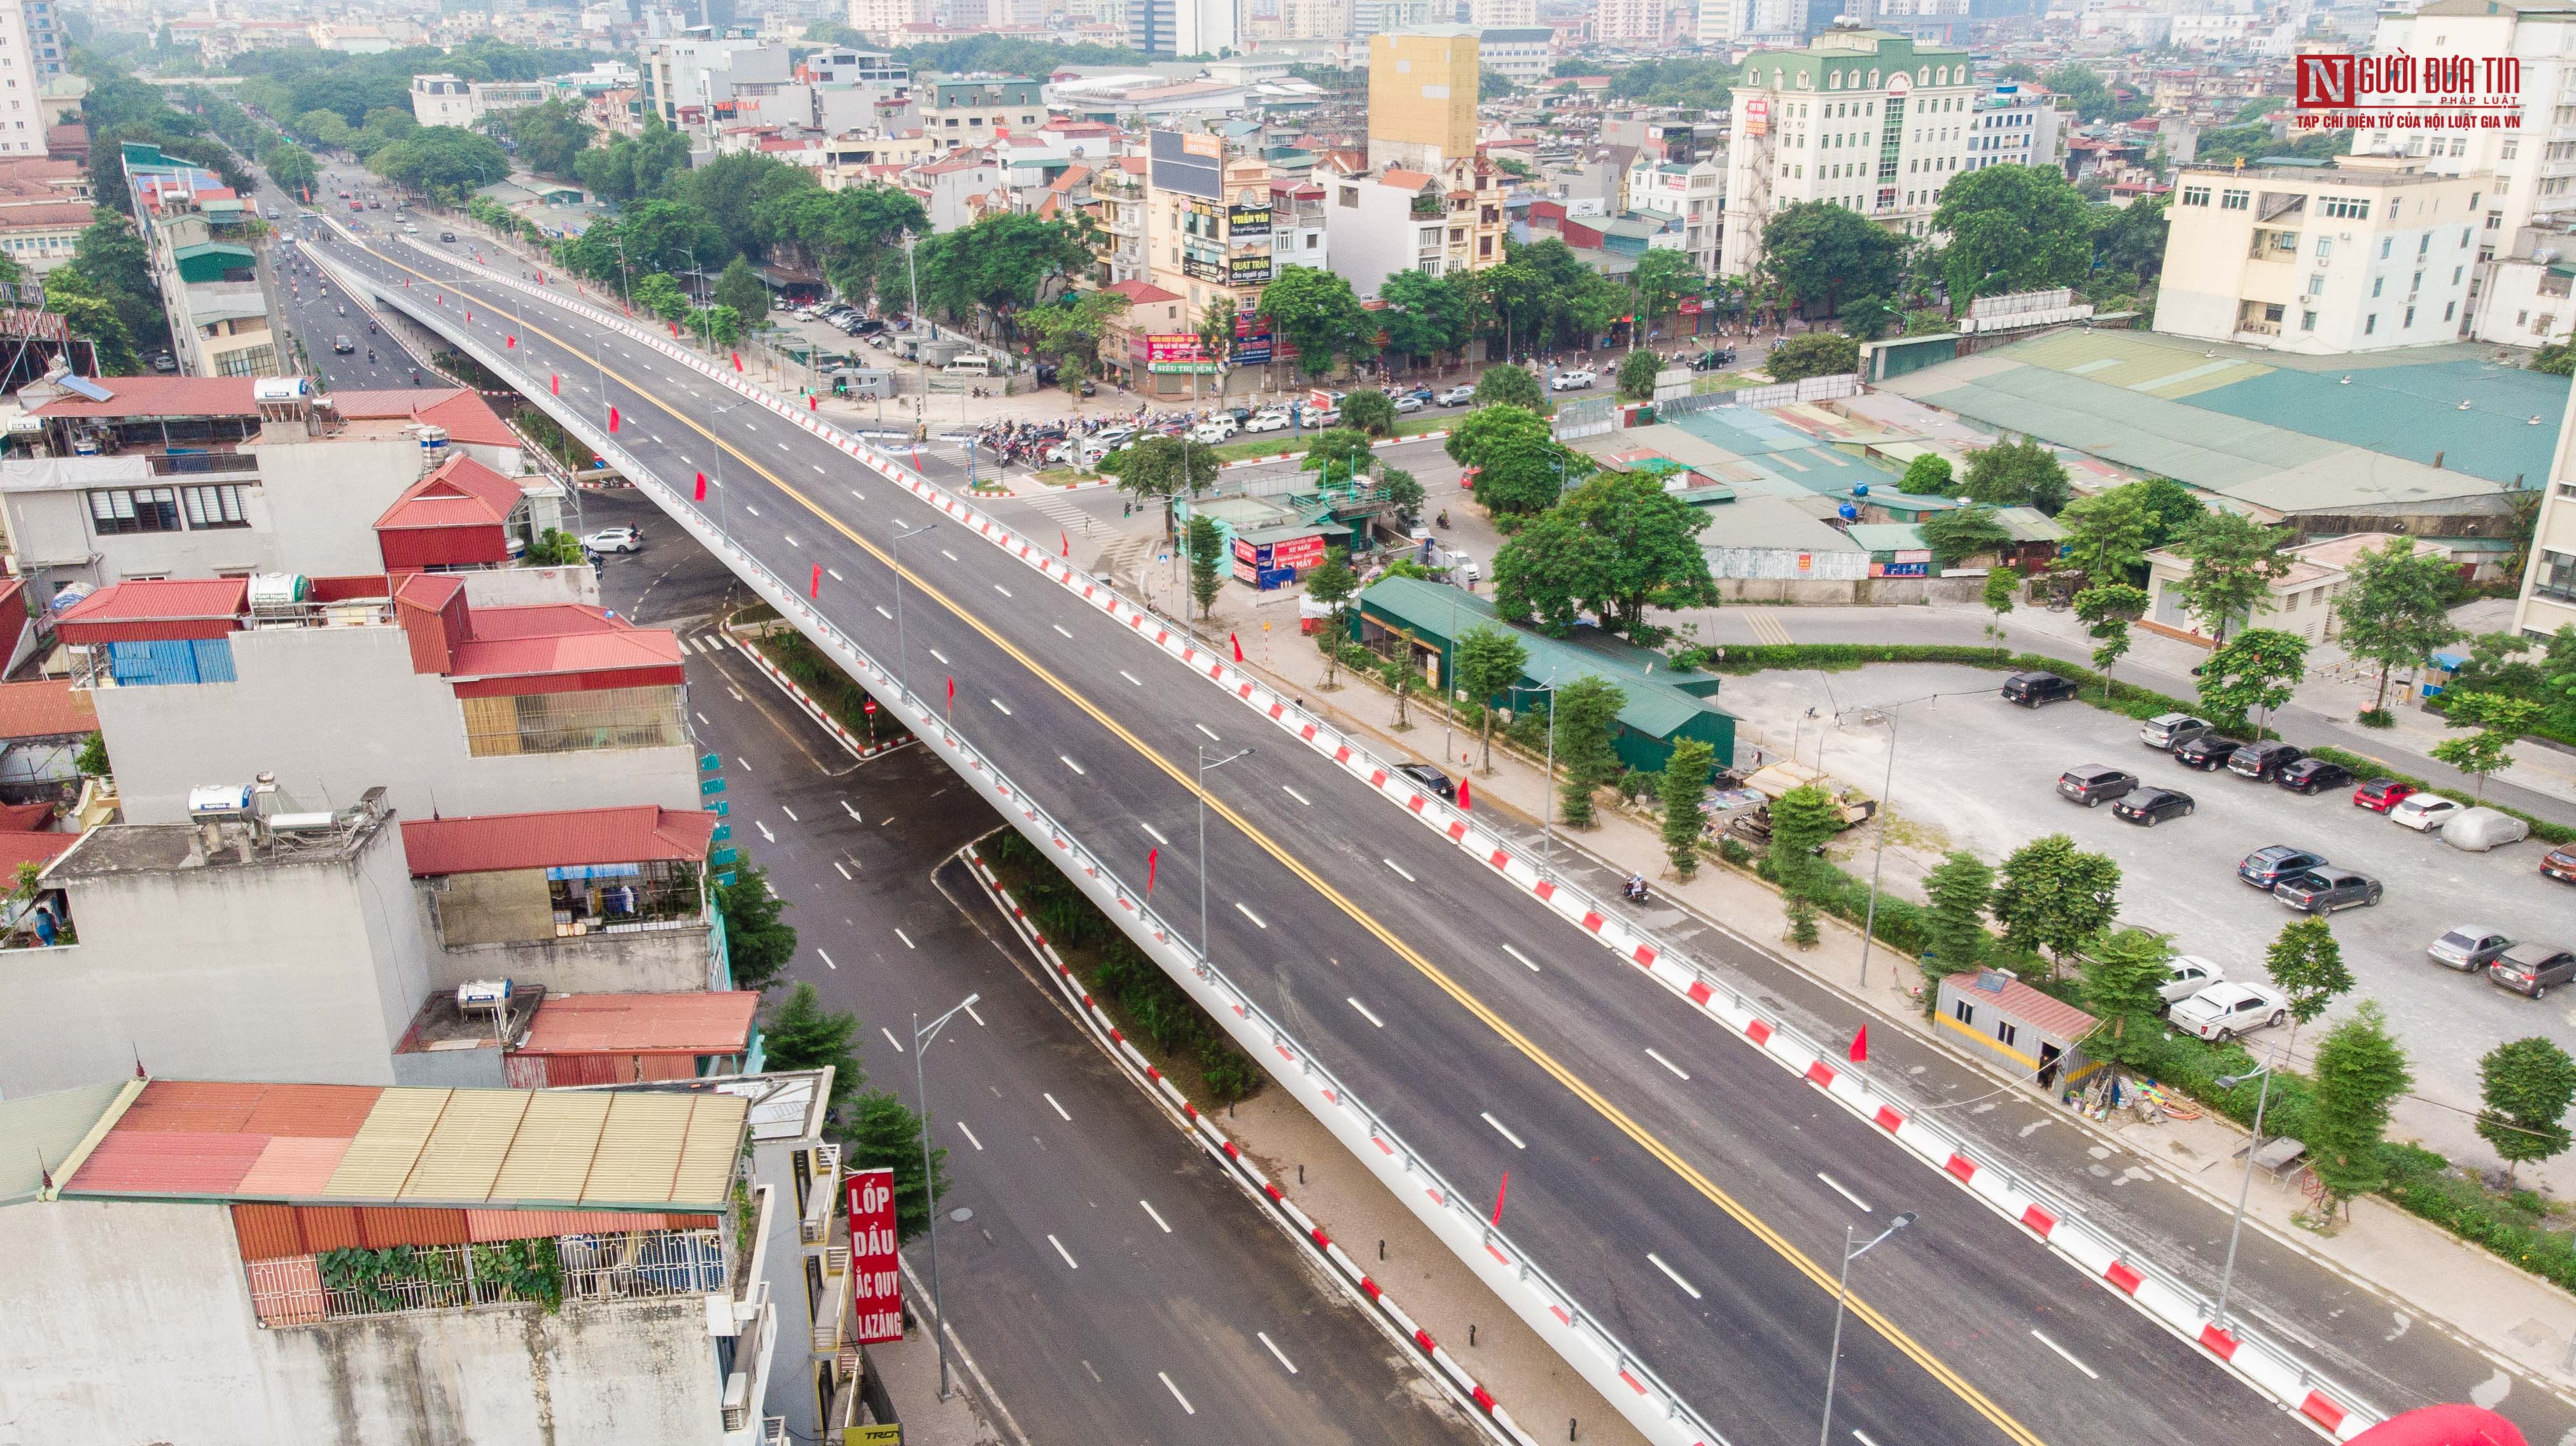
[219,505]
[2352,208]
[2450,309]
[2325,248]
[2508,150]
[1967,1012]
[2007,1034]
[2307,321]
[2384,243]
[2235,200]
[2424,243]
[2316,285]
[2456,273]
[122,510]
[2195,195]
[2370,323]
[2556,576]
[2377,282]
[2410,318]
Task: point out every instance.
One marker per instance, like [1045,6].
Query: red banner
[876,1280]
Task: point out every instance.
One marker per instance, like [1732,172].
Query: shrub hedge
[2128,698]
[2541,828]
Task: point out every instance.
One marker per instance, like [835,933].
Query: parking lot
[1978,773]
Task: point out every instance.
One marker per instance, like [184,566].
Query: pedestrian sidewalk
[2407,1262]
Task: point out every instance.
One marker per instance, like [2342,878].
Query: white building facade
[2015,125]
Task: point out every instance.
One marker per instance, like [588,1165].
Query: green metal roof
[39,1132]
[1876,537]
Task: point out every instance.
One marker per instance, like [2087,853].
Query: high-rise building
[881,20]
[1643,23]
[1516,14]
[1181,27]
[44,38]
[1422,97]
[28,54]
[1718,22]
[1862,119]
[1315,19]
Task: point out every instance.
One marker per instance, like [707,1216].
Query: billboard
[876,1277]
[1193,165]
[1176,346]
[1248,218]
[1252,340]
[1202,268]
[1757,117]
[1248,270]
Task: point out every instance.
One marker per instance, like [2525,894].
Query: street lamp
[724,498]
[921,406]
[900,684]
[921,1039]
[1204,766]
[1842,1297]
[1869,919]
[2227,1275]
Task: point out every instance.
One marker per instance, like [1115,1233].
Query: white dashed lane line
[1365,1012]
[1059,1109]
[1671,1274]
[1157,1214]
[1499,1128]
[2068,1356]
[1257,920]
[1678,1071]
[1524,958]
[1278,1354]
[890,1039]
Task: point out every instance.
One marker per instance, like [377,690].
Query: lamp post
[1842,1297]
[2227,1274]
[696,274]
[921,1039]
[1204,766]
[1878,854]
[724,497]
[899,672]
[921,406]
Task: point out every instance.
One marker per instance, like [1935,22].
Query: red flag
[1860,1046]
[815,588]
[675,328]
[1152,856]
[1499,1192]
[952,690]
[1063,543]
[737,361]
[509,341]
[702,487]
[811,404]
[1238,646]
[1466,801]
[554,383]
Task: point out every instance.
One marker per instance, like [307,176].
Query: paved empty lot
[1982,774]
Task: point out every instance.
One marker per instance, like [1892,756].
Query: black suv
[2268,866]
[2313,775]
[1430,778]
[2032,689]
[2262,760]
[2209,752]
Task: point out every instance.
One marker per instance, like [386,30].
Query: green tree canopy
[2527,1085]
[1510,384]
[1520,469]
[2396,610]
[1661,281]
[1959,889]
[1616,545]
[2106,533]
[1636,379]
[1489,661]
[1207,560]
[1585,717]
[1803,820]
[1318,314]
[1425,316]
[801,1034]
[2017,474]
[1928,475]
[1001,263]
[757,943]
[1961,533]
[2012,228]
[2124,978]
[632,167]
[1369,411]
[1813,354]
[2359,1072]
[885,1135]
[2234,560]
[1684,784]
[2251,674]
[441,161]
[549,137]
[2306,964]
[2107,609]
[1165,467]
[742,289]
[2056,897]
[1825,253]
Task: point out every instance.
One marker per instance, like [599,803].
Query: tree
[1426,316]
[549,137]
[1638,368]
[1331,582]
[1207,557]
[757,944]
[1068,328]
[1400,488]
[2252,674]
[2500,721]
[1519,467]
[1316,311]
[2234,561]
[2085,87]
[661,296]
[91,761]
[1825,253]
[442,161]
[1165,467]
[632,167]
[1954,927]
[743,290]
[1000,264]
[2396,611]
[885,1135]
[1812,354]
[1928,475]
[1489,661]
[1685,783]
[2527,1085]
[2306,964]
[2359,1071]
[2056,897]
[1510,384]
[1585,715]
[2017,474]
[1370,411]
[1617,545]
[802,1034]
[1803,820]
[2001,584]
[2012,228]
[2129,241]
[1868,318]
[1960,533]
[1337,453]
[1662,279]
[1492,84]
[2125,973]
[1215,331]
[289,165]
[2107,609]
[2106,533]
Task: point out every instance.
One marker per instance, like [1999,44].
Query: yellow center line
[1743,1215]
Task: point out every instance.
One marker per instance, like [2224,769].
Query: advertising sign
[876,1279]
[1203,267]
[1297,552]
[1203,144]
[1248,220]
[1192,165]
[1757,117]
[1252,340]
[1176,346]
[1248,270]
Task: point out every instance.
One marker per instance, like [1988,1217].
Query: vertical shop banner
[876,1277]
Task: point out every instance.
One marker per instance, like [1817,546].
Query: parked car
[2312,775]
[2268,866]
[2225,1010]
[2324,890]
[2209,752]
[2467,947]
[2426,812]
[2189,975]
[614,539]
[163,362]
[1408,403]
[2262,760]
[1455,397]
[2152,806]
[2560,864]
[2532,969]
[2476,830]
[1273,420]
[1573,381]
[2379,795]
[2032,689]
[1462,565]
[1113,436]
[1214,429]
[2167,731]
[2095,784]
[1430,778]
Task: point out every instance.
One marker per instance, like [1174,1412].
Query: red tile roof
[2042,1012]
[174,607]
[489,843]
[643,1024]
[49,709]
[39,849]
[46,216]
[463,412]
[461,493]
[161,397]
[1140,293]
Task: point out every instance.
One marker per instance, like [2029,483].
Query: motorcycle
[371,356]
[1635,891]
[371,328]
[1442,520]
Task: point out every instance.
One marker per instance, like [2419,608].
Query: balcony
[831,1313]
[1427,208]
[595,1269]
[814,1227]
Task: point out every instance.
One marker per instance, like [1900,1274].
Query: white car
[2225,1010]
[1573,381]
[1455,397]
[1273,421]
[2191,974]
[1214,430]
[1408,403]
[1463,565]
[614,539]
[1110,437]
[2425,812]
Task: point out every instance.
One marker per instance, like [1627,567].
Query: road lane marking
[845,873]
[1678,1071]
[890,1039]
[783,447]
[1059,1109]
[754,511]
[942,657]
[1059,627]
[971,1014]
[1862,1437]
[764,831]
[1176,1393]
[1076,767]
[1157,1214]
[881,612]
[998,703]
[1517,1142]
[1247,913]
[1365,1014]
[1837,1188]
[745,762]
[1399,870]
[970,1136]
[944,552]
[1524,958]
[852,812]
[1281,1355]
[1156,832]
[997,587]
[835,574]
[1210,732]
[906,938]
[2068,1356]
[1130,677]
[827,960]
[791,814]
[1673,1275]
[1071,1264]
[791,539]
[862,496]
[818,470]
[1292,793]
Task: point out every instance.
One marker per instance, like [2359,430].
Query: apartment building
[2370,253]
[2015,124]
[960,113]
[31,52]
[196,233]
[1182,27]
[1422,97]
[1118,214]
[566,1264]
[883,21]
[445,100]
[1397,220]
[1873,122]
[1217,226]
[1691,195]
[1525,55]
[2548,599]
[690,81]
[1637,24]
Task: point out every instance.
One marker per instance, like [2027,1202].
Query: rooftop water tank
[280,389]
[488,994]
[277,592]
[219,800]
[1848,513]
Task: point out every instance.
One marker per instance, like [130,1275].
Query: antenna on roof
[43,1172]
[139,1071]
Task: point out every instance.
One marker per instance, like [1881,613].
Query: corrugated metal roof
[292,1167]
[639,1151]
[463,1154]
[642,1024]
[388,1145]
[556,1142]
[640,834]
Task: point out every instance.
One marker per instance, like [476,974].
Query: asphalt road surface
[1692,1214]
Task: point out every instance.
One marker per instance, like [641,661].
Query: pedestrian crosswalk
[1059,509]
[1766,625]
